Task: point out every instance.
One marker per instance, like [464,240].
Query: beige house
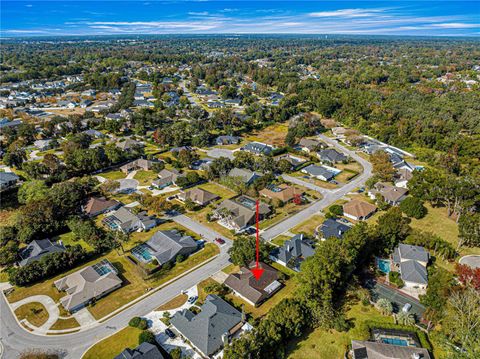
[198,196]
[358,210]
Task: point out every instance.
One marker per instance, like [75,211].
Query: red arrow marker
[257,271]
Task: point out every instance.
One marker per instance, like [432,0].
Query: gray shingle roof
[143,351]
[417,253]
[414,272]
[247,176]
[6,178]
[294,248]
[258,148]
[37,249]
[331,155]
[167,245]
[374,350]
[205,329]
[332,228]
[316,171]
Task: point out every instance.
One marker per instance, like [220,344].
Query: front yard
[35,313]
[309,225]
[114,345]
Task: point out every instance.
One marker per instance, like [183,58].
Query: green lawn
[217,189]
[35,313]
[69,323]
[309,225]
[114,345]
[279,240]
[282,213]
[113,175]
[68,239]
[145,178]
[325,344]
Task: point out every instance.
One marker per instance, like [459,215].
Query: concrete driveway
[220,152]
[473,261]
[127,184]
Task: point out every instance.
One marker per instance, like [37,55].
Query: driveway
[50,306]
[220,152]
[84,317]
[127,184]
[473,261]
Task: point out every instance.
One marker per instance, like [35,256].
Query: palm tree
[384,306]
[406,318]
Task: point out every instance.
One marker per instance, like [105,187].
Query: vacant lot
[114,345]
[113,175]
[145,178]
[176,302]
[272,135]
[309,225]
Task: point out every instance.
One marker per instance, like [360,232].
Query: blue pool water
[142,253]
[395,341]
[383,265]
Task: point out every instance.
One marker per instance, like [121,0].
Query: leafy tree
[8,252]
[336,210]
[176,353]
[30,191]
[469,227]
[146,336]
[413,207]
[440,285]
[242,252]
[382,167]
[405,318]
[392,228]
[384,306]
[468,276]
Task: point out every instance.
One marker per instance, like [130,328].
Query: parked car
[406,307]
[219,241]
[169,333]
[193,299]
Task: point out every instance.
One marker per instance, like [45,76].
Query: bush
[336,209]
[139,323]
[176,353]
[394,278]
[413,207]
[146,336]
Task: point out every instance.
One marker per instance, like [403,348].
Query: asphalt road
[16,339]
[329,196]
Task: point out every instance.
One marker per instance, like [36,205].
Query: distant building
[166,178]
[332,228]
[283,192]
[293,252]
[124,220]
[87,285]
[411,262]
[37,249]
[198,196]
[254,291]
[319,172]
[247,176]
[309,145]
[295,161]
[374,350]
[391,194]
[209,330]
[138,164]
[331,155]
[239,214]
[99,205]
[129,144]
[42,145]
[358,210]
[143,351]
[8,180]
[258,148]
[227,140]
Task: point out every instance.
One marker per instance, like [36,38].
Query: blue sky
[429,18]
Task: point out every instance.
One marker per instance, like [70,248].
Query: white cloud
[456,25]
[347,13]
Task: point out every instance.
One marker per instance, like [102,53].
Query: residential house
[166,178]
[247,176]
[282,192]
[411,262]
[319,172]
[113,116]
[239,213]
[143,351]
[8,180]
[38,248]
[362,349]
[209,330]
[295,161]
[332,228]
[129,145]
[309,145]
[164,247]
[227,140]
[293,252]
[331,155]
[126,221]
[88,284]
[176,150]
[253,291]
[402,177]
[201,164]
[143,103]
[198,196]
[99,205]
[6,123]
[138,164]
[258,148]
[215,104]
[358,210]
[94,133]
[339,132]
[85,103]
[391,194]
[42,145]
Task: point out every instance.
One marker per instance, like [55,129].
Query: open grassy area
[279,240]
[273,135]
[282,213]
[217,189]
[309,225]
[61,324]
[113,175]
[232,268]
[114,345]
[145,178]
[176,302]
[68,239]
[325,344]
[35,313]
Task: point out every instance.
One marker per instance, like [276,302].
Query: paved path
[473,261]
[50,306]
[309,185]
[329,196]
[15,339]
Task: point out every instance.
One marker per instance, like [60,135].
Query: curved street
[16,339]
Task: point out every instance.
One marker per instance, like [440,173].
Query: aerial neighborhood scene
[239,180]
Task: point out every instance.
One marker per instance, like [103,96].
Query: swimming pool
[395,341]
[142,252]
[383,265]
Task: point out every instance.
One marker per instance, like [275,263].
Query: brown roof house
[248,288]
[88,284]
[390,194]
[309,145]
[239,213]
[166,178]
[358,210]
[283,192]
[139,164]
[99,205]
[198,196]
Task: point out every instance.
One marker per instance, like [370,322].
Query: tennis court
[398,299]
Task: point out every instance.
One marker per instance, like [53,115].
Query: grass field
[232,268]
[282,213]
[279,240]
[176,302]
[145,178]
[35,313]
[273,135]
[69,323]
[309,225]
[325,344]
[113,175]
[217,189]
[114,345]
